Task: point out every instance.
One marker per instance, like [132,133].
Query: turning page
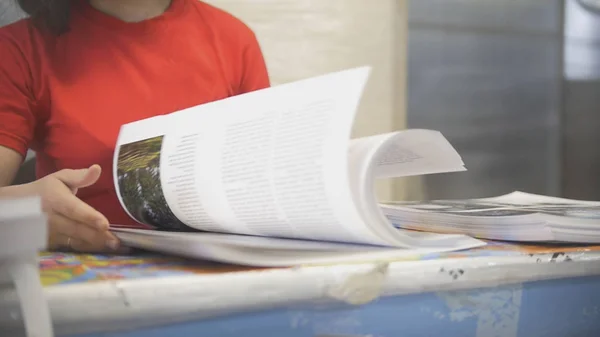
[269,163]
[401,154]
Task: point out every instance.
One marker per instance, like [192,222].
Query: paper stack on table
[516,216]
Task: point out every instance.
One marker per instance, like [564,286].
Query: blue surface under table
[483,295]
[568,307]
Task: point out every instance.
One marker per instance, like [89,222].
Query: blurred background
[514,85]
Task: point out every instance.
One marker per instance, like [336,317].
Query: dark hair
[48,15]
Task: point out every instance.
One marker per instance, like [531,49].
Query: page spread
[276,163]
[270,163]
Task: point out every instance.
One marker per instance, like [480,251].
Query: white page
[247,241]
[264,252]
[270,163]
[524,199]
[366,155]
[417,152]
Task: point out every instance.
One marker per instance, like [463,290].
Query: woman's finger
[98,239]
[67,243]
[76,179]
[58,241]
[72,207]
[84,246]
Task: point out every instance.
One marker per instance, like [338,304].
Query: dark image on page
[138,174]
[573,211]
[469,208]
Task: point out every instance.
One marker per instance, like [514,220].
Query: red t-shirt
[66,97]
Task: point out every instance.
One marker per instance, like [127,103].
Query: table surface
[65,268]
[94,293]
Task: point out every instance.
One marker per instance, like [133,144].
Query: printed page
[417,152]
[366,155]
[268,163]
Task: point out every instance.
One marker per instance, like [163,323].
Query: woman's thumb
[76,179]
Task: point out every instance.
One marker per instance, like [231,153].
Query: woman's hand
[72,223]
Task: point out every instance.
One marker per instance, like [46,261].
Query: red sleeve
[254,71]
[17,121]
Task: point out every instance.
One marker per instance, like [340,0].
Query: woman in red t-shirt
[76,70]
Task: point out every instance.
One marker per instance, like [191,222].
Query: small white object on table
[23,229]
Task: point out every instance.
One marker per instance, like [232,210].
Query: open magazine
[516,216]
[272,177]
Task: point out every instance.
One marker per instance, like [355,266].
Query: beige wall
[303,38]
